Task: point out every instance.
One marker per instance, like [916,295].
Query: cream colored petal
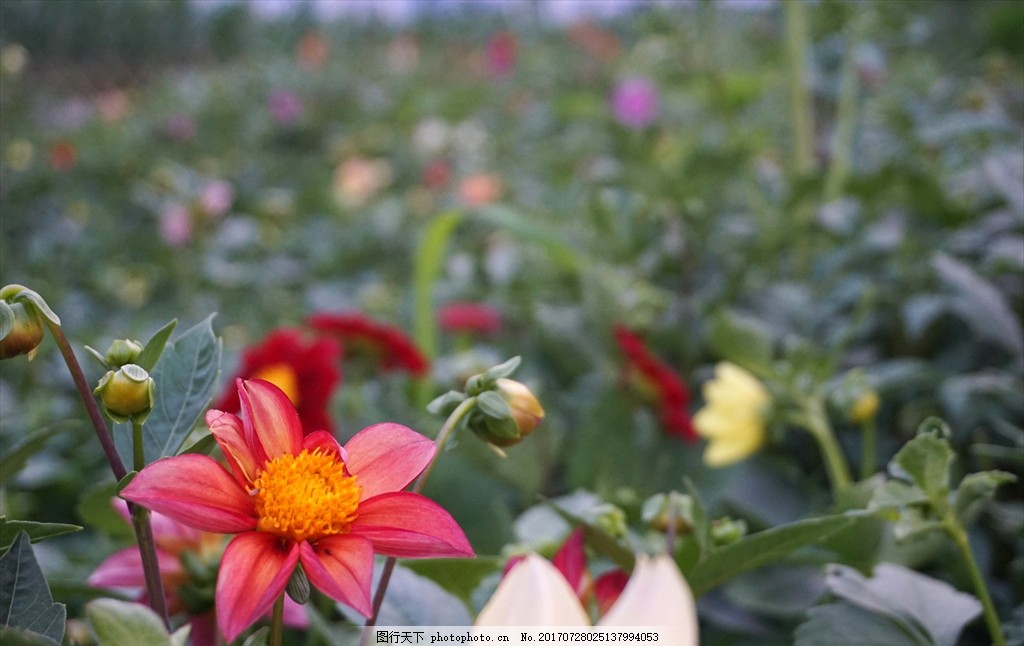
[657,595]
[715,422]
[743,384]
[725,451]
[533,593]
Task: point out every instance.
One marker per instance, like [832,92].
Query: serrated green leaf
[155,346]
[896,494]
[9,530]
[925,460]
[25,600]
[741,340]
[976,487]
[184,381]
[124,623]
[762,548]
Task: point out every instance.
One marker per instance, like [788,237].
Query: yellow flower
[535,593]
[732,419]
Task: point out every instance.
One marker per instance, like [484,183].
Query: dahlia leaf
[25,600]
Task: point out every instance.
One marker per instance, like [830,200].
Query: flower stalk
[956,531]
[277,622]
[816,423]
[454,421]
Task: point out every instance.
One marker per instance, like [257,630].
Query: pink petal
[123,569]
[204,630]
[229,432]
[571,561]
[387,457]
[253,574]
[341,567]
[195,490]
[295,614]
[168,533]
[408,525]
[325,442]
[271,422]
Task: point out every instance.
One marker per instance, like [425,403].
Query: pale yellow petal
[728,450]
[657,595]
[533,593]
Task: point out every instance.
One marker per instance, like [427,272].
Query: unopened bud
[865,407]
[526,410]
[298,586]
[24,330]
[122,352]
[126,393]
[672,510]
[726,531]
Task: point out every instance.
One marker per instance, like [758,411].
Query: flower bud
[725,531]
[298,586]
[672,510]
[526,410]
[856,398]
[126,393]
[25,332]
[865,407]
[123,351]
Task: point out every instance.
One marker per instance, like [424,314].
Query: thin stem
[821,430]
[138,452]
[959,535]
[846,114]
[869,434]
[449,426]
[277,622]
[140,515]
[106,441]
[801,120]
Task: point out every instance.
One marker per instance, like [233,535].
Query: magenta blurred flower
[285,106]
[502,50]
[216,198]
[180,127]
[635,102]
[175,224]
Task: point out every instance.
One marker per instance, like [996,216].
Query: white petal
[657,595]
[533,593]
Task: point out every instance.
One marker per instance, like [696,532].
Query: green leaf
[203,445]
[531,230]
[743,341]
[976,487]
[896,494]
[600,540]
[9,530]
[124,623]
[14,457]
[930,610]
[845,624]
[981,304]
[25,601]
[184,381]
[925,461]
[762,548]
[96,509]
[155,346]
[14,637]
[458,576]
[430,257]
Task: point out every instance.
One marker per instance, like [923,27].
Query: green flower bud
[608,517]
[662,511]
[856,398]
[126,393]
[24,330]
[505,415]
[298,586]
[122,352]
[726,531]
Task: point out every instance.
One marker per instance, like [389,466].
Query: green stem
[846,115]
[801,120]
[138,453]
[449,426]
[140,515]
[277,622]
[821,430]
[869,434]
[957,532]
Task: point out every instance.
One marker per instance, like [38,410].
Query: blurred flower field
[762,265]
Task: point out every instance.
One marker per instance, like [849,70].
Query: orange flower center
[283,376]
[306,496]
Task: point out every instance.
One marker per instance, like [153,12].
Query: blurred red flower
[502,50]
[307,370]
[63,155]
[657,381]
[388,345]
[469,317]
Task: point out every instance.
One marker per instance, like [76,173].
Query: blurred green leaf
[96,509]
[925,460]
[185,378]
[762,548]
[14,457]
[741,340]
[430,257]
[983,306]
[15,637]
[458,576]
[125,623]
[846,624]
[25,601]
[36,532]
[532,230]
[977,487]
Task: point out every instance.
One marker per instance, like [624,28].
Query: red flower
[469,317]
[306,370]
[63,155]
[664,386]
[294,500]
[389,345]
[502,51]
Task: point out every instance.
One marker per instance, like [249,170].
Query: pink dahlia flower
[635,102]
[293,500]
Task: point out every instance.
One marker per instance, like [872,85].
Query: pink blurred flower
[285,106]
[180,127]
[123,569]
[293,500]
[358,179]
[216,198]
[480,189]
[312,51]
[502,51]
[469,317]
[635,102]
[437,174]
[175,224]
